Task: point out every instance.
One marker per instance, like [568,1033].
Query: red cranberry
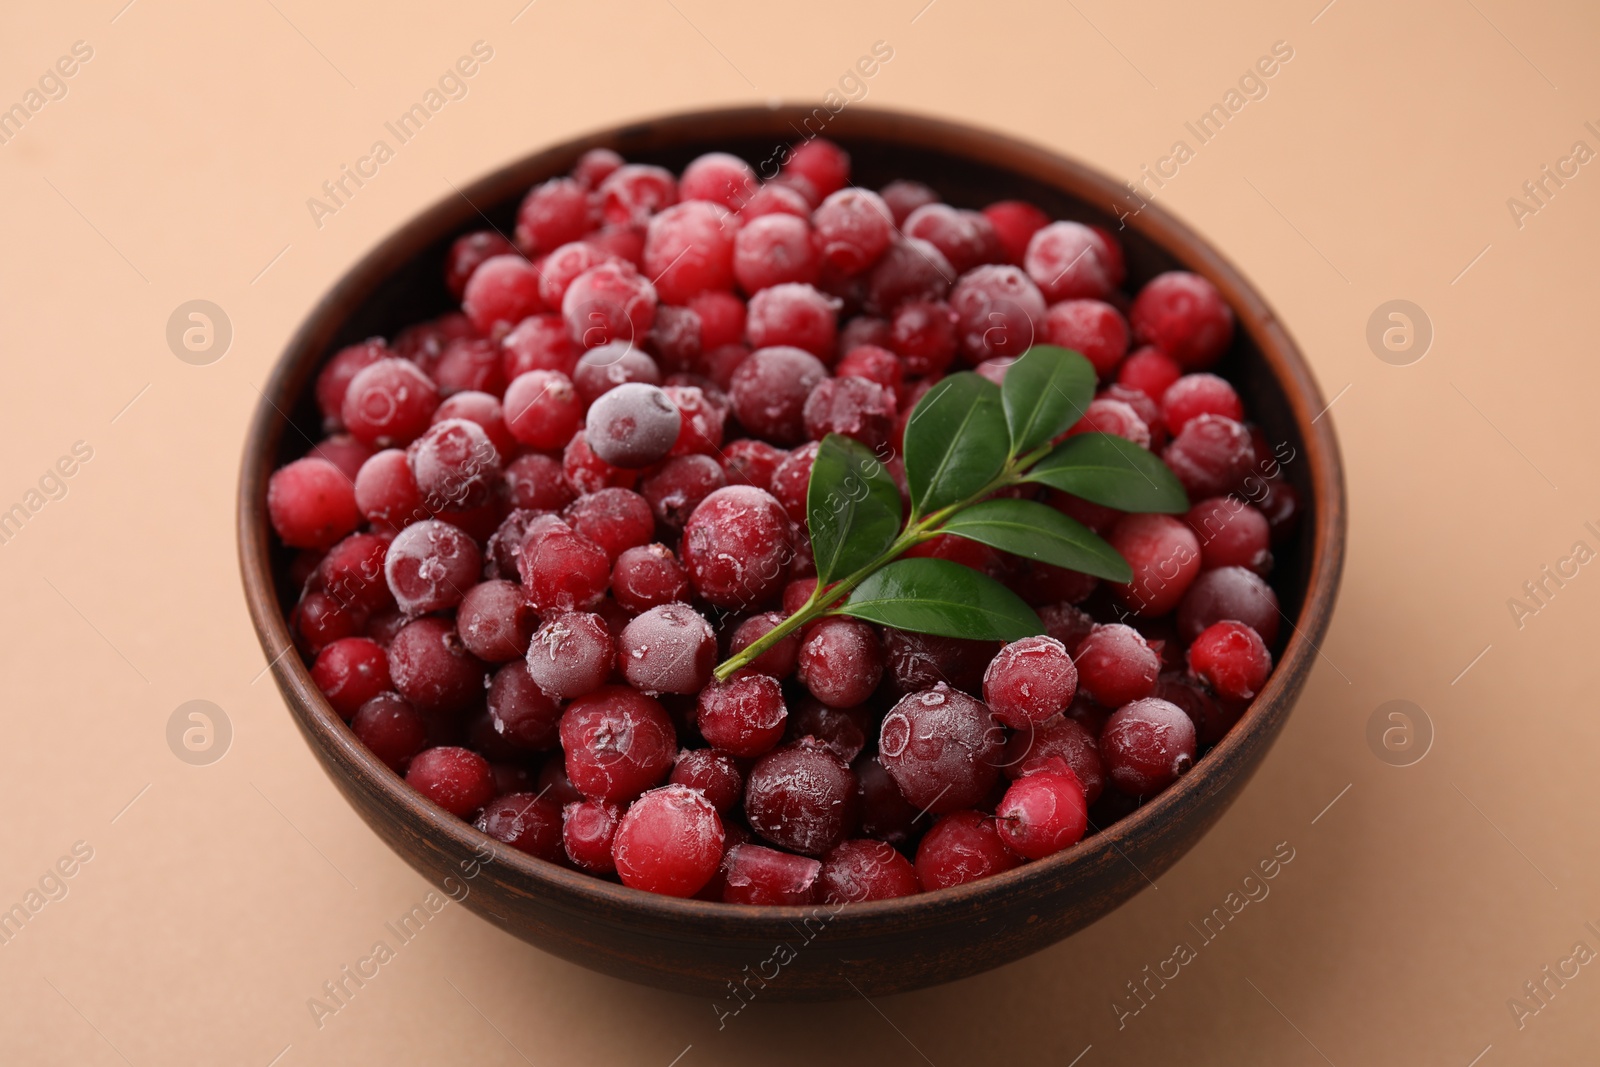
[344,452]
[647,576]
[678,486]
[526,822]
[311,503]
[862,870]
[1165,557]
[688,249]
[735,547]
[964,237]
[701,417]
[962,847]
[496,621]
[543,409]
[610,302]
[1061,738]
[432,668]
[1229,593]
[748,461]
[1015,222]
[721,317]
[903,196]
[885,812]
[791,481]
[321,620]
[350,672]
[484,410]
[1149,370]
[588,829]
[539,342]
[1116,665]
[668,649]
[714,774]
[562,569]
[1232,534]
[793,315]
[1029,681]
[333,381]
[389,402]
[1146,745]
[842,731]
[456,779]
[1091,327]
[635,191]
[775,199]
[1068,261]
[1211,456]
[571,655]
[841,661]
[999,312]
[468,364]
[430,566]
[352,572]
[1067,623]
[536,482]
[801,797]
[1183,315]
[670,842]
[391,729]
[618,743]
[1042,813]
[779,660]
[720,178]
[595,165]
[942,748]
[615,519]
[1212,718]
[588,473]
[520,714]
[1231,658]
[744,715]
[552,214]
[755,874]
[1194,395]
[853,227]
[559,268]
[455,465]
[873,363]
[911,269]
[855,407]
[502,292]
[608,366]
[775,249]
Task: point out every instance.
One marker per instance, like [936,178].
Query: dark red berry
[678,486]
[391,728]
[801,797]
[456,779]
[962,847]
[744,716]
[841,661]
[431,667]
[1232,534]
[1213,455]
[1062,738]
[755,874]
[779,660]
[1165,557]
[1116,665]
[527,822]
[735,547]
[1091,327]
[1015,222]
[715,774]
[561,569]
[647,576]
[588,829]
[333,381]
[942,748]
[999,313]
[618,743]
[1146,745]
[520,713]
[1029,681]
[1042,813]
[350,672]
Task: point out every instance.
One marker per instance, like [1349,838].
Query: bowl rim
[1278,350]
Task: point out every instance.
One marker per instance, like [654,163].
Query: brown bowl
[804,952]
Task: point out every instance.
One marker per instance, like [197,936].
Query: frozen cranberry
[1114,417]
[483,410]
[520,714]
[679,485]
[773,250]
[1091,327]
[496,621]
[537,482]
[633,425]
[675,338]
[755,874]
[1183,315]
[924,335]
[668,649]
[595,165]
[561,569]
[853,228]
[920,661]
[539,342]
[688,248]
[1069,261]
[793,315]
[670,841]
[942,748]
[798,593]
[1062,738]
[431,667]
[720,178]
[963,237]
[623,242]
[587,473]
[1029,681]
[875,364]
[1042,813]
[635,191]
[430,566]
[344,452]
[391,729]
[842,731]
[701,417]
[610,302]
[1229,593]
[855,407]
[456,779]
[1164,554]
[618,743]
[822,163]
[648,576]
[999,312]
[1211,456]
[903,196]
[748,461]
[791,481]
[862,870]
[841,661]
[389,402]
[502,292]
[333,381]
[1232,534]
[455,465]
[311,503]
[780,659]
[615,519]
[552,214]
[320,620]
[1212,718]
[467,364]
[1116,665]
[911,269]
[1231,658]
[350,672]
[352,572]
[571,655]
[962,847]
[714,774]
[735,547]
[542,409]
[559,268]
[1067,623]
[603,369]
[525,821]
[744,716]
[1194,395]
[1147,745]
[588,828]
[769,392]
[1149,370]
[721,316]
[801,797]
[775,199]
[1015,222]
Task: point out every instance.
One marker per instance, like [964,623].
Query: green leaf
[955,442]
[1111,471]
[935,596]
[1045,392]
[1039,532]
[852,507]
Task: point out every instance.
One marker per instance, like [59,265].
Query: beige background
[1378,167]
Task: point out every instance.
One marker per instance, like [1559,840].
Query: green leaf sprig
[967,440]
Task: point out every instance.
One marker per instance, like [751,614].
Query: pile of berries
[537,524]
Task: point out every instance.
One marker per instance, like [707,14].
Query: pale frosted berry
[633,192]
[942,748]
[455,465]
[1147,745]
[633,425]
[571,655]
[1069,261]
[720,178]
[1029,681]
[854,407]
[430,566]
[668,649]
